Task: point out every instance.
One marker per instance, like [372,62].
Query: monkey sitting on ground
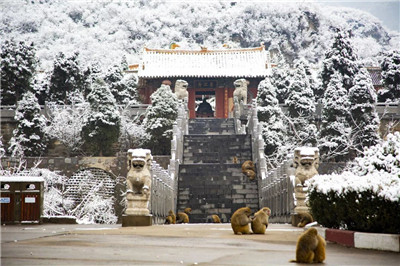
[215,218]
[305,218]
[171,218]
[310,247]
[183,217]
[240,221]
[260,221]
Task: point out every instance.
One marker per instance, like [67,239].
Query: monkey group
[181,217]
[310,247]
[241,221]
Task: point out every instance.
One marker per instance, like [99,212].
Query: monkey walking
[183,217]
[310,247]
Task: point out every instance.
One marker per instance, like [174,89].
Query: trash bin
[21,199]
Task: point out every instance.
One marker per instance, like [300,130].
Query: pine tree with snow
[122,86]
[18,65]
[390,77]
[335,130]
[271,118]
[159,120]
[340,58]
[301,106]
[102,128]
[66,77]
[28,138]
[364,118]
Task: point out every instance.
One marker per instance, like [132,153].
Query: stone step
[207,126]
[215,189]
[216,148]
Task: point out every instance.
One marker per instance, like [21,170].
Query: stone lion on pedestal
[306,162]
[240,93]
[181,89]
[138,179]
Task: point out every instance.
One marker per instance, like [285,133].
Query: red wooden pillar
[192,103]
[219,98]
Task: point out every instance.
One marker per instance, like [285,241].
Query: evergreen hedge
[358,211]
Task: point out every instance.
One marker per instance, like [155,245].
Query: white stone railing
[255,129]
[275,187]
[277,192]
[180,128]
[162,194]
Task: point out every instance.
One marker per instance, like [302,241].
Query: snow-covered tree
[28,138]
[67,121]
[364,119]
[335,129]
[340,58]
[390,77]
[2,150]
[159,119]
[133,134]
[301,106]
[18,65]
[271,118]
[122,86]
[67,77]
[102,128]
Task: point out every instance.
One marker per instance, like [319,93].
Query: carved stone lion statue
[138,179]
[306,162]
[240,93]
[181,89]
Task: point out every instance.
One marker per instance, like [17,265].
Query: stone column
[306,162]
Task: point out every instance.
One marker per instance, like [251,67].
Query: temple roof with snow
[204,63]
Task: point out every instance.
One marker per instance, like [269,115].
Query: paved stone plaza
[184,244]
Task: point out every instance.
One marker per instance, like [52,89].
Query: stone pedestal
[301,207]
[137,204]
[136,220]
[137,211]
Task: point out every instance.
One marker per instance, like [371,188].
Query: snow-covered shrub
[390,77]
[28,138]
[101,130]
[160,117]
[132,133]
[67,121]
[366,197]
[96,210]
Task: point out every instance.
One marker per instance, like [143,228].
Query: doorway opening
[205,103]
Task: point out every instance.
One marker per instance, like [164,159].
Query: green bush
[358,211]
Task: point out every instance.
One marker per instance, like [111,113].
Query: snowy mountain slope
[105,31]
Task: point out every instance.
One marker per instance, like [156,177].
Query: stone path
[185,244]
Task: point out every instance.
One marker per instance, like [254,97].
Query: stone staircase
[210,177]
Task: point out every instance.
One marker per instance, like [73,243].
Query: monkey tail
[292,260]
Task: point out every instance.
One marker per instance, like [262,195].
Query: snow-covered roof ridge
[246,62]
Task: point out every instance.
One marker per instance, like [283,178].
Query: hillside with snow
[104,32]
